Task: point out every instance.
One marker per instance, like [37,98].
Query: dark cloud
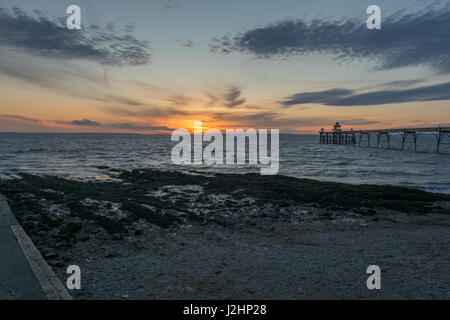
[213,99]
[147,112]
[84,122]
[48,38]
[110,26]
[124,100]
[180,100]
[58,77]
[358,122]
[284,122]
[138,127]
[413,39]
[129,28]
[34,75]
[232,97]
[342,97]
[402,83]
[271,120]
[17,117]
[170,4]
[186,43]
[316,97]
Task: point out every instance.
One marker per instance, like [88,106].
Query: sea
[89,156]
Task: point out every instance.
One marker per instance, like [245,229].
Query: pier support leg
[415,136]
[388,137]
[404,135]
[439,137]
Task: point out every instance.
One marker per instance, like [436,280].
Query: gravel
[286,261]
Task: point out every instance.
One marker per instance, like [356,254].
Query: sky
[157,65]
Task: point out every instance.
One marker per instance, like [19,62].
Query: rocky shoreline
[156,212]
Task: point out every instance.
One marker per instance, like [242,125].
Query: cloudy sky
[156,65]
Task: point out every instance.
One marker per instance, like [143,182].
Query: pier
[24,274]
[355,137]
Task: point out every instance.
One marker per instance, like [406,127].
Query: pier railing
[353,137]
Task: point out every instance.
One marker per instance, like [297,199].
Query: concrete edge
[52,287]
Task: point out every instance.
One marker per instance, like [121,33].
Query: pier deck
[353,137]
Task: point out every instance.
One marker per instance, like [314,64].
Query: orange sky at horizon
[25,109]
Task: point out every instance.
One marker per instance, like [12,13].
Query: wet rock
[116,236]
[73,227]
[84,238]
[62,216]
[212,235]
[66,258]
[112,254]
[152,216]
[367,211]
[56,263]
[50,255]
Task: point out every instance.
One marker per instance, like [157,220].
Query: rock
[211,235]
[367,211]
[84,237]
[50,255]
[56,263]
[364,225]
[66,258]
[112,254]
[116,236]
[74,227]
